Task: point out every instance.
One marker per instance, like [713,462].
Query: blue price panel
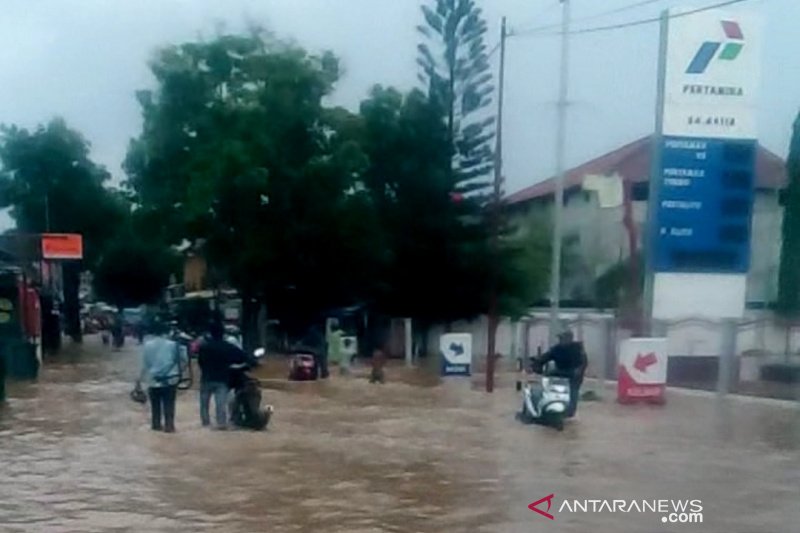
[705,205]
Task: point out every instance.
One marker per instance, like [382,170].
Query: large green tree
[408,178]
[52,185]
[789,277]
[238,149]
[133,270]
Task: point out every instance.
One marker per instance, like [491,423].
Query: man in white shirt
[162,360]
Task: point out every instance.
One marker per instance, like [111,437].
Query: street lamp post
[558,206]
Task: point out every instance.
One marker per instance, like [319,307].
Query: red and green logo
[727,50]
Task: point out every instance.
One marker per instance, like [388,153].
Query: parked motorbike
[545,401]
[245,405]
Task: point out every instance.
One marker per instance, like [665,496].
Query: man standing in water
[161,372]
[215,359]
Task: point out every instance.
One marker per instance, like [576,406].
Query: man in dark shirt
[570,359]
[215,358]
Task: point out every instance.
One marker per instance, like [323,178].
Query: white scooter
[545,401]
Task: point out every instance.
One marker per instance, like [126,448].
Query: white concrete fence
[760,337]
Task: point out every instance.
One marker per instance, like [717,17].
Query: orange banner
[62,246]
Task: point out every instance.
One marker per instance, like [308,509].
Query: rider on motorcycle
[569,357]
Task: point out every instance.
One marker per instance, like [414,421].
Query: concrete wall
[602,241]
[759,332]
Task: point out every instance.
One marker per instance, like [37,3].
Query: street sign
[705,205]
[62,246]
[642,371]
[456,353]
[712,75]
[703,173]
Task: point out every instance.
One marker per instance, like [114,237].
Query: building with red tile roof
[596,239]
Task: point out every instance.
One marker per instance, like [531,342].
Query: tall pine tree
[455,68]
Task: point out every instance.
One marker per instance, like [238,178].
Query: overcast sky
[83,60]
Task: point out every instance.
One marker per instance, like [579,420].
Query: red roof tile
[632,162]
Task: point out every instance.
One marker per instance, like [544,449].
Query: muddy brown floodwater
[413,455]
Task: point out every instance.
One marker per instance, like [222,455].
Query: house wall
[194,273]
[600,240]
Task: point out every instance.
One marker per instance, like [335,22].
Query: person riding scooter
[569,357]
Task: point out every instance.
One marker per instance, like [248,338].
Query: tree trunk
[72,303]
[51,329]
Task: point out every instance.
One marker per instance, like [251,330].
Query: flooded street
[413,455]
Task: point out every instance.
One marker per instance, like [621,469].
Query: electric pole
[491,356]
[558,206]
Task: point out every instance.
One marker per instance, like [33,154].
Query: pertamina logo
[728,50]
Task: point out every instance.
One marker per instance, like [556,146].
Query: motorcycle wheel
[558,422]
[525,416]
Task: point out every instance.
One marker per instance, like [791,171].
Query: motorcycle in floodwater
[545,401]
[245,404]
[184,342]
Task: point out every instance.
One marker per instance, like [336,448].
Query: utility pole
[491,340]
[558,206]
[47,209]
[654,190]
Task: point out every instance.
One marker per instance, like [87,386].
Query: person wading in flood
[161,372]
[215,358]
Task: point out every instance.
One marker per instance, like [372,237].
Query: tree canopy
[51,184]
[239,149]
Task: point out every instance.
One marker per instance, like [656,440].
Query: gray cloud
[83,60]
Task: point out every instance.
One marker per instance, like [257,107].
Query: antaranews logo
[733,46]
[671,511]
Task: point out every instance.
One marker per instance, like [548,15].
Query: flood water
[413,455]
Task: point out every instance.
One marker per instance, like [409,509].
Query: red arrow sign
[549,500]
[643,362]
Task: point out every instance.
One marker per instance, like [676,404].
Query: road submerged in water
[413,455]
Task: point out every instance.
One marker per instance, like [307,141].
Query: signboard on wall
[62,246]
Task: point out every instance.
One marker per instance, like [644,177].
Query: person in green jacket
[334,342]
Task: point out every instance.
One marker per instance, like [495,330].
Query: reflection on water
[344,455]
[413,455]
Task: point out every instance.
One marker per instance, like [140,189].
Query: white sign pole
[655,178]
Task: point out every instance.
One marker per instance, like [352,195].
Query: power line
[543,12]
[621,9]
[543,30]
[657,19]
[602,14]
[494,50]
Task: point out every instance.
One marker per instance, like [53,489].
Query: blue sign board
[705,205]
